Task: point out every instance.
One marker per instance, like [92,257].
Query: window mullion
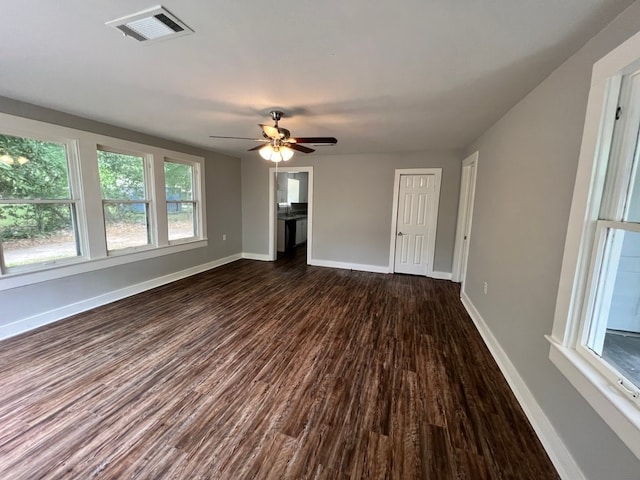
[91,214]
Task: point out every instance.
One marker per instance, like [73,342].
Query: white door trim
[433,223]
[273,231]
[465,217]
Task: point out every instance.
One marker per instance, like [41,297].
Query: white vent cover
[155,23]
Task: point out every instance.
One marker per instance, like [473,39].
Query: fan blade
[269,131]
[284,132]
[255,148]
[316,140]
[300,148]
[235,138]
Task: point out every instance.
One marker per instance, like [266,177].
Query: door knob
[400,234]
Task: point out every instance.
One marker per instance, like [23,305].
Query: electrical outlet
[486,287]
[224,237]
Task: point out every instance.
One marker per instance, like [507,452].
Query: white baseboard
[349,266]
[256,256]
[566,466]
[441,275]
[369,268]
[35,321]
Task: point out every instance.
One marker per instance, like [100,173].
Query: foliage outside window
[181,204]
[73,202]
[124,200]
[37,208]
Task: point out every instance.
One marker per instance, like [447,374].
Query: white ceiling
[381,76]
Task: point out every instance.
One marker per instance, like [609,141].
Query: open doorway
[465,216]
[290,212]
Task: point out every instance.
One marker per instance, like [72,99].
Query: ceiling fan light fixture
[277,143]
[276,154]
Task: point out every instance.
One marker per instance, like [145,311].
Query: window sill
[20,279]
[617,410]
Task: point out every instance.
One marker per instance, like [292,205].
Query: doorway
[290,220]
[465,216]
[415,220]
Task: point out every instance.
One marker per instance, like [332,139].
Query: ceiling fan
[278,144]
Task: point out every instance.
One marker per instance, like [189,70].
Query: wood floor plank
[260,370]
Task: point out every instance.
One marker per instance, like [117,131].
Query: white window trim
[609,400]
[83,146]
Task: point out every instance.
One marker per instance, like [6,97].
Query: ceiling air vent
[155,23]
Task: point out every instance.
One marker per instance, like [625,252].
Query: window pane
[619,293]
[127,225]
[178,181]
[293,192]
[37,233]
[121,176]
[632,213]
[33,169]
[180,220]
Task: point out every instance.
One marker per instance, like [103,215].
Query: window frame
[196,201]
[595,289]
[82,149]
[148,200]
[74,200]
[588,375]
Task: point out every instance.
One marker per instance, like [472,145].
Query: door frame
[468,177]
[433,223]
[273,208]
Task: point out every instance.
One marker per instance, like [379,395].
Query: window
[595,341]
[37,209]
[124,199]
[610,334]
[293,190]
[182,207]
[73,202]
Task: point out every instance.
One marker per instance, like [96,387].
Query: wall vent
[153,24]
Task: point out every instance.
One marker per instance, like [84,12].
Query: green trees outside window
[54,208]
[180,200]
[36,204]
[124,199]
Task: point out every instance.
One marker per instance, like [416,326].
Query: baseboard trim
[256,256]
[369,268]
[566,466]
[349,266]
[51,316]
[441,275]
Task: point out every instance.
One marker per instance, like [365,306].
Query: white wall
[223,216]
[526,173]
[353,196]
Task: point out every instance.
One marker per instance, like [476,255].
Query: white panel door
[415,208]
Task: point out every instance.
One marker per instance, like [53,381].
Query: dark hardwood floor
[261,370]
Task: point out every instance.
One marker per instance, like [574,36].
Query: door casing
[273,207]
[465,217]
